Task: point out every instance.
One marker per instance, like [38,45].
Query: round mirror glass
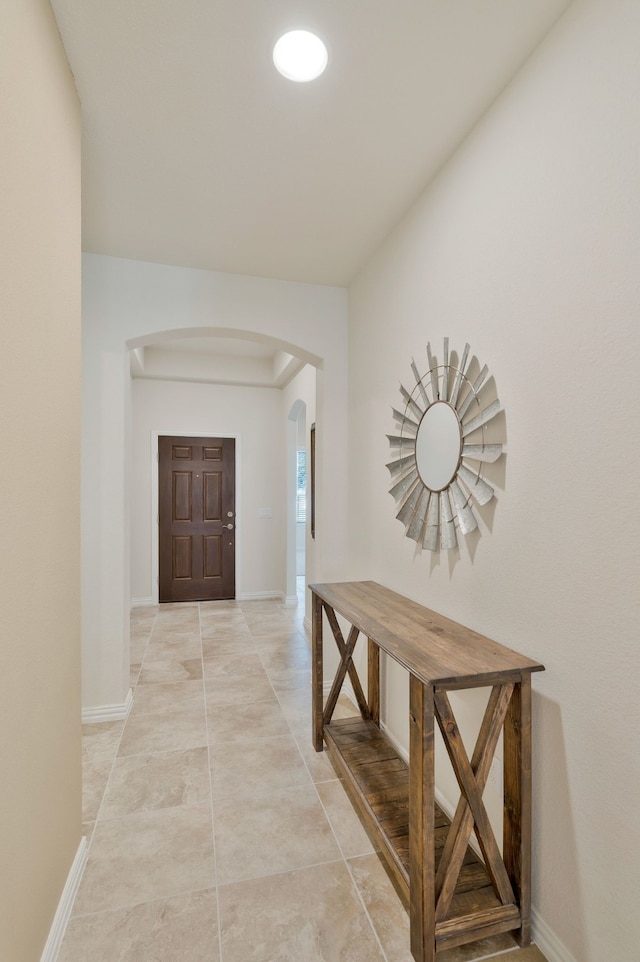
[438,446]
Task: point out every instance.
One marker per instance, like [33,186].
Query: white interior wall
[126,304]
[302,389]
[527,246]
[301,527]
[253,417]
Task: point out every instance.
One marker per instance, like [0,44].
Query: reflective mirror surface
[438,446]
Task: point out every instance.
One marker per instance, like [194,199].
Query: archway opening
[227,392]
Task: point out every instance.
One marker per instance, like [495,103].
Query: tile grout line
[207,684]
[280,873]
[151,813]
[131,905]
[343,858]
[106,788]
[348,867]
[117,748]
[296,737]
[213,829]
[289,726]
[329,823]
[353,881]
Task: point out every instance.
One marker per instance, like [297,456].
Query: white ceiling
[197,153]
[226,346]
[215,360]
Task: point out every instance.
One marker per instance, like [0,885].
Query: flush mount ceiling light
[300,56]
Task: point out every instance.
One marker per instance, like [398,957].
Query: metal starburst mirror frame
[430,513]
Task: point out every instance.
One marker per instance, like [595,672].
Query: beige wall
[40,787]
[528,246]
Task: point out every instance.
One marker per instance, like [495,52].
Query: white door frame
[298,408]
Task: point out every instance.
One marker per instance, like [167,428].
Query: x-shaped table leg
[346,665]
[472,778]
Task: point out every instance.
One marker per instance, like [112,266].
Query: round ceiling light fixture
[301,56]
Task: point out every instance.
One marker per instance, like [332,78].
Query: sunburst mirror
[436,470]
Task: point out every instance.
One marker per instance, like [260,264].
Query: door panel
[213,556]
[212,497]
[182,504]
[196,505]
[182,567]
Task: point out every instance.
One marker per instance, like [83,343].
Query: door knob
[229,527]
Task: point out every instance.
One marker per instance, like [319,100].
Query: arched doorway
[129,305]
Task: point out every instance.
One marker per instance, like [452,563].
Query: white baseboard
[105,713]
[290,601]
[61,918]
[401,750]
[547,940]
[259,595]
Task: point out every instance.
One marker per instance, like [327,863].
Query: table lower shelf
[377,780]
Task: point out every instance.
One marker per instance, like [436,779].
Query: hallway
[216,833]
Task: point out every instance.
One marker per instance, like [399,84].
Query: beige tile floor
[216,833]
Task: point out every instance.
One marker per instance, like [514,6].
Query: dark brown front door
[197,518]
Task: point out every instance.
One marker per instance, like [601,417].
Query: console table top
[433,648]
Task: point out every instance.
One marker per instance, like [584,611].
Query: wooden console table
[453,897]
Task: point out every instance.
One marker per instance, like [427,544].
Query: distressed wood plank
[336,688]
[373,680]
[479,924]
[462,826]
[317,707]
[386,816]
[517,802]
[430,646]
[426,856]
[471,791]
[351,668]
[421,821]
